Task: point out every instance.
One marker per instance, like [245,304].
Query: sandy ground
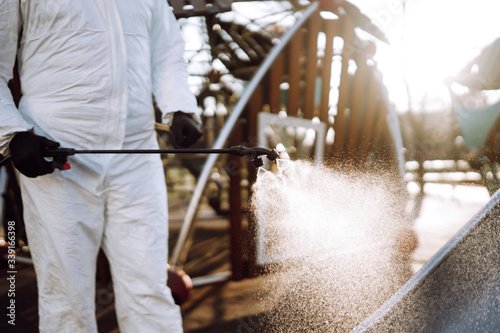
[445,209]
[242,306]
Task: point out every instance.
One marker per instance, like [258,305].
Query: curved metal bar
[181,248]
[456,290]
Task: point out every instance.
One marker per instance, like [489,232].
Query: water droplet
[283,164]
[261,172]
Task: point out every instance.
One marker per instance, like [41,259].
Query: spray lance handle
[59,157]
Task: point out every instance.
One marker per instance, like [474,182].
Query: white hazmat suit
[88,71]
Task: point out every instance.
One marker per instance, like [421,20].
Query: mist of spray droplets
[328,242]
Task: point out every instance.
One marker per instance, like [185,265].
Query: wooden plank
[311,64]
[233,168]
[223,4]
[254,107]
[178,7]
[255,46]
[357,102]
[331,29]
[344,88]
[188,8]
[200,6]
[370,116]
[275,79]
[243,44]
[294,70]
[381,124]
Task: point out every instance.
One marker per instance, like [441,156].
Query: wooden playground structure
[295,80]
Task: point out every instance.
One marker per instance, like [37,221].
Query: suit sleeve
[169,68]
[11,120]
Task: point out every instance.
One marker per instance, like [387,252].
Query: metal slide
[458,290]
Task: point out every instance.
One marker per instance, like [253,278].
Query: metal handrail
[179,253]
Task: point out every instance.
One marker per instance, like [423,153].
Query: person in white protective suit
[88,71]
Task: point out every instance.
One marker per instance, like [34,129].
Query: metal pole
[154,151]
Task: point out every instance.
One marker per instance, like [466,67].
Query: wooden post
[233,168]
[357,102]
[311,64]
[254,107]
[294,71]
[369,122]
[344,89]
[275,80]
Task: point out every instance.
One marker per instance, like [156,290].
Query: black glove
[26,151]
[185,130]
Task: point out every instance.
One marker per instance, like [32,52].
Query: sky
[430,40]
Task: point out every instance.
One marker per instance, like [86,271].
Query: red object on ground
[180,284]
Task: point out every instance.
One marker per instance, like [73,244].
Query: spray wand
[60,155]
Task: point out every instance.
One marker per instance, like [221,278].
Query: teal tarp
[476,124]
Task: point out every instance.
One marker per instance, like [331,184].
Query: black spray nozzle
[59,156]
[256,152]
